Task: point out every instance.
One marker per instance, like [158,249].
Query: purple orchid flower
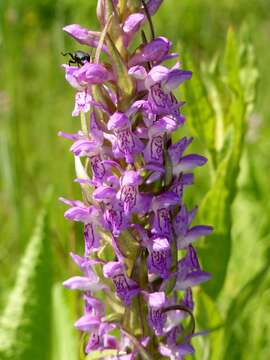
[173,350]
[175,317]
[160,259]
[156,51]
[160,82]
[100,338]
[154,151]
[92,322]
[90,282]
[115,218]
[189,271]
[129,196]
[126,288]
[91,217]
[162,223]
[89,74]
[125,144]
[179,183]
[186,236]
[94,311]
[156,302]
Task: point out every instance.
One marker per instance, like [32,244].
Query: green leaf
[125,85]
[231,120]
[231,63]
[249,74]
[98,354]
[238,309]
[208,318]
[215,249]
[64,335]
[200,113]
[216,208]
[25,325]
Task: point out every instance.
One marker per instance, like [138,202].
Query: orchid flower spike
[139,263]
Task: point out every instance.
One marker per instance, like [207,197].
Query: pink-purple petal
[83,36]
[153,51]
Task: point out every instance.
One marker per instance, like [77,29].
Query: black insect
[78,57]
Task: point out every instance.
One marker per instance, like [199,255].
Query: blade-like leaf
[200,113]
[64,336]
[231,61]
[208,318]
[25,325]
[215,249]
[238,309]
[101,354]
[124,82]
[232,110]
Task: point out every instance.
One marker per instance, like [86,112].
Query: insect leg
[70,54]
[72,62]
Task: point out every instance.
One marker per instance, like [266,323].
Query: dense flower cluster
[139,264]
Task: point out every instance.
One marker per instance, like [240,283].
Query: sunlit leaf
[231,119]
[238,308]
[125,84]
[100,354]
[64,336]
[199,111]
[25,325]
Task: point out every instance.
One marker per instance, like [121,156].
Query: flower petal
[175,78]
[153,6]
[87,323]
[83,36]
[189,162]
[82,283]
[152,51]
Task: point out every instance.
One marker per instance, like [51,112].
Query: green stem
[102,39]
[84,123]
[149,20]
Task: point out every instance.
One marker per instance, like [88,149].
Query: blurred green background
[36,102]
